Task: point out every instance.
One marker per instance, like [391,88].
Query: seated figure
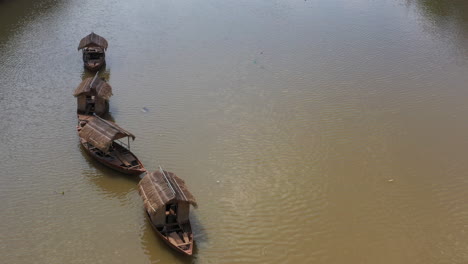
[171,216]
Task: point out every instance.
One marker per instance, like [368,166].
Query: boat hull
[137,170]
[187,252]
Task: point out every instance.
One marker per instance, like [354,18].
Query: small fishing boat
[100,139]
[94,51]
[167,202]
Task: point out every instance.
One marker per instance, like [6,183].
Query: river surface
[317,131]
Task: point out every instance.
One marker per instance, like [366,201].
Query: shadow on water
[450,17]
[14,14]
[104,73]
[109,181]
[443,8]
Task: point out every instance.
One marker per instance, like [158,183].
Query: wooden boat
[100,137]
[93,96]
[94,51]
[167,202]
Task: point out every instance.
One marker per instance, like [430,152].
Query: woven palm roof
[100,133]
[162,187]
[94,86]
[93,40]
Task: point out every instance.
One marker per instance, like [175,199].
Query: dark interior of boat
[177,234]
[117,155]
[91,54]
[94,55]
[90,104]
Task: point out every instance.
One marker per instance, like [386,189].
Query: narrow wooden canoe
[177,236]
[119,158]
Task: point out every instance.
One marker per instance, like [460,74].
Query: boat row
[165,196]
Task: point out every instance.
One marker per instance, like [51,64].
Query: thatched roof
[158,189]
[94,86]
[100,133]
[93,40]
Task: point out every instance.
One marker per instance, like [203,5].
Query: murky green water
[318,131]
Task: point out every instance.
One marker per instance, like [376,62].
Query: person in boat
[171,216]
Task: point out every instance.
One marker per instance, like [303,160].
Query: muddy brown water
[318,131]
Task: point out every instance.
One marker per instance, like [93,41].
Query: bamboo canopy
[158,189]
[101,133]
[93,40]
[94,86]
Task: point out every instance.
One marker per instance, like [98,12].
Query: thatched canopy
[158,189]
[93,40]
[94,86]
[100,133]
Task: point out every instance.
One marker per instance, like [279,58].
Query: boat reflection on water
[104,73]
[446,16]
[111,183]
